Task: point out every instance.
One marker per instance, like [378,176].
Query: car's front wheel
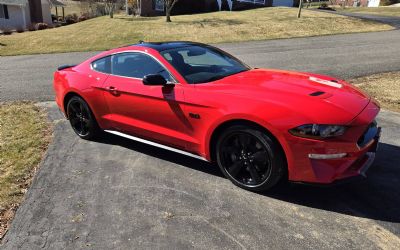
[250,158]
[81,118]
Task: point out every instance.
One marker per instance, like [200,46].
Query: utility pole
[126,7]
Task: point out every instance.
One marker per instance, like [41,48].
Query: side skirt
[155,144]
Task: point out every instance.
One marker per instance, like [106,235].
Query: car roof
[161,46]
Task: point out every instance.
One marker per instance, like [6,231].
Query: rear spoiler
[65,66]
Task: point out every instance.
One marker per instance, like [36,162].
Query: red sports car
[258,125]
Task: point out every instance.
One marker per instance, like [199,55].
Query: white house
[17,14]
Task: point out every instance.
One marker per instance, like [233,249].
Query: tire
[250,158]
[82,119]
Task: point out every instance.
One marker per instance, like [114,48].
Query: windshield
[198,64]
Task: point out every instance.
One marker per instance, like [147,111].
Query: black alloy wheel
[250,158]
[81,118]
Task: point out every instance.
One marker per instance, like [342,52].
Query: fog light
[326,156]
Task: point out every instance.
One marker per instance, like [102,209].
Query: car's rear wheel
[82,119]
[250,158]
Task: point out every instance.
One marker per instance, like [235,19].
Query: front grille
[368,135]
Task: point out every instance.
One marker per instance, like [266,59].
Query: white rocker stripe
[155,144]
[325,82]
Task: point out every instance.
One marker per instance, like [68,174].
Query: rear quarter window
[102,65]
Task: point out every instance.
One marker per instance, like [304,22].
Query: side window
[199,58]
[102,65]
[4,11]
[137,65]
[158,5]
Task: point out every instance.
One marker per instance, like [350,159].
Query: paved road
[118,194]
[343,56]
[391,20]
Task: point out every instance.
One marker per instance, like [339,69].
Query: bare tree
[89,7]
[344,3]
[92,8]
[110,6]
[135,7]
[300,6]
[169,4]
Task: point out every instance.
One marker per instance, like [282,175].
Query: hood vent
[317,93]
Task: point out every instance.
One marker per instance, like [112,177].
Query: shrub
[325,6]
[20,29]
[70,19]
[83,17]
[7,31]
[388,2]
[32,27]
[41,26]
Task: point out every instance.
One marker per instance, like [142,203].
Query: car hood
[311,94]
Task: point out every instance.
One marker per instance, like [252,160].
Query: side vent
[317,93]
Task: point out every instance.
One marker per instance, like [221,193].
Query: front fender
[242,117]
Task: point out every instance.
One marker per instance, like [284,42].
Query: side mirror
[154,80]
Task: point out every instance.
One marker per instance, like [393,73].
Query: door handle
[113,90]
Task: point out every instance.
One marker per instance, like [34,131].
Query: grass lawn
[384,87]
[24,136]
[382,11]
[258,24]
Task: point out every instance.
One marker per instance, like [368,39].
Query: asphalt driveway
[344,56]
[119,194]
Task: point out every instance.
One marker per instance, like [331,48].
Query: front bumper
[353,161]
[357,171]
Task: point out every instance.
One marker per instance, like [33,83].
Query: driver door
[155,113]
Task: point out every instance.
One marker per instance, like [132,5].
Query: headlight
[318,131]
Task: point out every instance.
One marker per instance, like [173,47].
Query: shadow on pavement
[166,155]
[376,197]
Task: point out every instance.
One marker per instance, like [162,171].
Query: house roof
[14,2]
